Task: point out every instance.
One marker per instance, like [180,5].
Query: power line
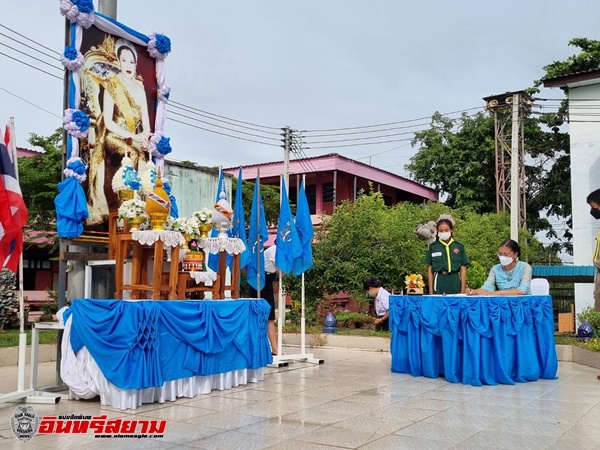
[187,108]
[29,46]
[224,117]
[364,138]
[390,123]
[32,57]
[223,134]
[373,131]
[29,65]
[30,40]
[225,128]
[27,101]
[355,145]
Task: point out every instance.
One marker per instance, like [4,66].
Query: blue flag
[305,231]
[257,236]
[288,244]
[213,259]
[238,229]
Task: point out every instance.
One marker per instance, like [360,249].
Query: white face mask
[445,236]
[505,260]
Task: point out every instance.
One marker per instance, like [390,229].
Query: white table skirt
[85,380]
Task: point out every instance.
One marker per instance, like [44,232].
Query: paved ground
[351,401]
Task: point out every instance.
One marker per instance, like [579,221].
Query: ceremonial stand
[135,242]
[225,246]
[200,279]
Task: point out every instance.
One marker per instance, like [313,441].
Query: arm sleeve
[428,257]
[526,280]
[490,283]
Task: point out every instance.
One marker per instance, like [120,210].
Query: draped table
[474,339]
[134,352]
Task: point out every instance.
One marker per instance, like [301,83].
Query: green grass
[10,338]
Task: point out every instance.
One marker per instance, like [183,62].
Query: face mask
[595,213]
[445,236]
[505,260]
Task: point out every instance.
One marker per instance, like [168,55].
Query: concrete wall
[195,187]
[585,177]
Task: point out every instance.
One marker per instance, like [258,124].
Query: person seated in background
[382,303]
[510,277]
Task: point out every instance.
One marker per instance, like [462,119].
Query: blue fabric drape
[71,208]
[474,340]
[143,344]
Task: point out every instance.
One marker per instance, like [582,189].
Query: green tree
[457,157]
[39,176]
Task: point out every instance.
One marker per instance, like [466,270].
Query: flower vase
[204,229]
[414,291]
[135,222]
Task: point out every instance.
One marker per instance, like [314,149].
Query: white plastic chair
[540,286]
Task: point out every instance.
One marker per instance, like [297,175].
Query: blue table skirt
[141,344]
[474,340]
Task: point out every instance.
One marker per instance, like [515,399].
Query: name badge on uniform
[436,254]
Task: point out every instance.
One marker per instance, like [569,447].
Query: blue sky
[311,65]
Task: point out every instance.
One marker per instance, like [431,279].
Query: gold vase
[204,229]
[135,222]
[158,220]
[188,238]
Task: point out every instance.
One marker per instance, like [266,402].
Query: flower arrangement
[180,224]
[414,281]
[192,226]
[203,216]
[133,208]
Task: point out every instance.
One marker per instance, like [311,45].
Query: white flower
[132,208]
[204,216]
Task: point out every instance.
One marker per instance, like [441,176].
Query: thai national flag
[13,213]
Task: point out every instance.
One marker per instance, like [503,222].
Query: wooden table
[139,272]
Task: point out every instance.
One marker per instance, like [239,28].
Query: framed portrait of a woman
[118,93]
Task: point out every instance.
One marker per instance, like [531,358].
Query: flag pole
[302,316]
[258,243]
[22,334]
[280,300]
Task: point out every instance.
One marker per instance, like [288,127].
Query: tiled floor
[351,401]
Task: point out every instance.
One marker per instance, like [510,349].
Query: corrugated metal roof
[565,274]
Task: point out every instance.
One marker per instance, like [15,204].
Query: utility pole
[108,8]
[515,183]
[287,147]
[509,111]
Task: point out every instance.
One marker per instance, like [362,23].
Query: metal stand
[33,394]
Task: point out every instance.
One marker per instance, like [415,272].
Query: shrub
[476,275]
[350,319]
[48,309]
[592,316]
